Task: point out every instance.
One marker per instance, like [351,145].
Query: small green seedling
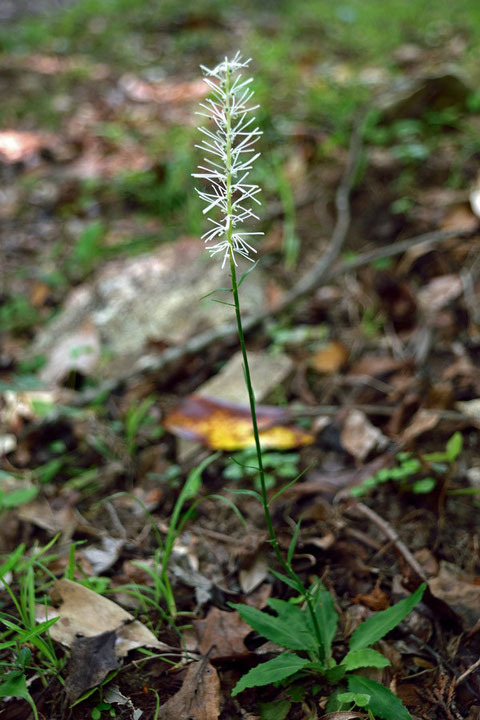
[291,627]
[351,700]
[275,464]
[413,474]
[103,710]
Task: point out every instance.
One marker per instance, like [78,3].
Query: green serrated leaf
[289,628]
[297,621]
[383,703]
[274,670]
[366,657]
[327,617]
[376,627]
[275,710]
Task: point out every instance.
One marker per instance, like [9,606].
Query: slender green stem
[248,381]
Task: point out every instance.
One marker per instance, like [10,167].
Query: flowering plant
[231,147]
[308,626]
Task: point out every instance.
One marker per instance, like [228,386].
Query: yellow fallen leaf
[222,425]
[330,358]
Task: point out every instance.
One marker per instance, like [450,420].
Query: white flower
[230,157]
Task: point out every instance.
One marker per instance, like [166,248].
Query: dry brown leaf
[268,373]
[409,693]
[427,560]
[460,217]
[172,91]
[222,633]
[375,600]
[353,616]
[376,366]
[440,292]
[84,612]
[474,713]
[198,698]
[329,359]
[458,591]
[91,659]
[222,425]
[59,520]
[359,437]
[422,422]
[39,293]
[254,574]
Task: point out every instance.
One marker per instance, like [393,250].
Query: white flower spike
[231,145]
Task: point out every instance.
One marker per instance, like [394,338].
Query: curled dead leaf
[375,600]
[222,425]
[198,698]
[83,612]
[422,422]
[440,292]
[91,660]
[459,591]
[359,437]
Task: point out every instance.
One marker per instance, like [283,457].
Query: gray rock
[155,297]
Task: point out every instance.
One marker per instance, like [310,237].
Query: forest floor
[120,381]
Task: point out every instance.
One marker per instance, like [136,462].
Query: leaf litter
[399,368]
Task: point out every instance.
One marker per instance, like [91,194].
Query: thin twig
[468,672]
[392,535]
[381,410]
[443,662]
